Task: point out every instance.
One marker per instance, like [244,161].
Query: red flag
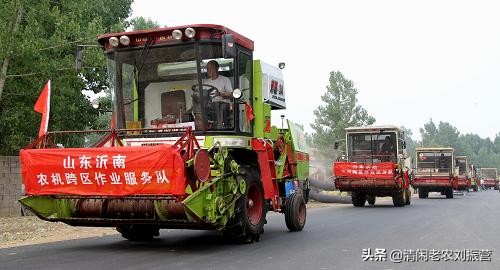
[249,113]
[42,106]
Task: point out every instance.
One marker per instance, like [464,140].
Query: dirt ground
[30,230]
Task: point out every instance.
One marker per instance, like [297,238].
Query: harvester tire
[371,200]
[138,232]
[408,197]
[295,212]
[399,199]
[449,194]
[358,199]
[250,209]
[422,193]
[474,188]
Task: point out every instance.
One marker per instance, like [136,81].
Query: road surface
[449,231]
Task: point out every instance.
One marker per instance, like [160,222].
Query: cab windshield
[168,87]
[372,148]
[434,162]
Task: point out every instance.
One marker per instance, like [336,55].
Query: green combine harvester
[180,153]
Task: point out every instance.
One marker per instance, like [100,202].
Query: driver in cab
[221,97]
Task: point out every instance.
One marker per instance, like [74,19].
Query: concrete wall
[11,188]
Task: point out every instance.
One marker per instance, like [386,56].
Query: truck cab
[435,172]
[376,166]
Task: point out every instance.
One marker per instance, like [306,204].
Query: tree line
[340,109]
[38,42]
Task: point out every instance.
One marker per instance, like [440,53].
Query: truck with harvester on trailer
[464,174]
[183,151]
[376,166]
[489,177]
[435,172]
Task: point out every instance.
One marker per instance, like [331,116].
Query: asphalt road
[334,238]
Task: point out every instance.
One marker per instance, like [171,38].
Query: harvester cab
[463,174]
[376,165]
[435,172]
[191,144]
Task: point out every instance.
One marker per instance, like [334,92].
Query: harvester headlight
[231,142]
[113,41]
[125,40]
[237,93]
[190,32]
[177,34]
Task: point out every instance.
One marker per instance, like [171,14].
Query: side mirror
[228,46]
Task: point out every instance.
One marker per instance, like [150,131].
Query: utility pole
[5,65]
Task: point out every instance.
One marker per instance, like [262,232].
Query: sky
[411,61]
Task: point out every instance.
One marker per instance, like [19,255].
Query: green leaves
[340,110]
[43,48]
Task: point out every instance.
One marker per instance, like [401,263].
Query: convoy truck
[489,176]
[464,174]
[376,166]
[435,172]
[176,157]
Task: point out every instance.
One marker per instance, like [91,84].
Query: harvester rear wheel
[247,224]
[295,212]
[408,197]
[138,232]
[399,199]
[358,199]
[449,194]
[422,193]
[371,200]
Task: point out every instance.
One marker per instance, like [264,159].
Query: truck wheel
[358,199]
[295,212]
[449,194]
[408,197]
[399,199]
[371,200]
[422,193]
[247,224]
[138,232]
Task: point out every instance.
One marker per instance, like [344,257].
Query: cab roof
[373,129]
[434,149]
[161,35]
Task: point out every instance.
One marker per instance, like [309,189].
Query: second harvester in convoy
[376,166]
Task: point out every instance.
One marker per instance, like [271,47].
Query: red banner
[360,170]
[115,171]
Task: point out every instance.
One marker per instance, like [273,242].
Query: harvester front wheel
[358,199]
[449,194]
[399,199]
[249,211]
[295,212]
[371,200]
[138,232]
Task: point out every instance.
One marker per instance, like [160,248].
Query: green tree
[38,43]
[141,23]
[339,111]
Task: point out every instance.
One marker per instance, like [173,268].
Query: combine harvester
[376,166]
[464,174]
[489,175]
[434,172]
[182,153]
